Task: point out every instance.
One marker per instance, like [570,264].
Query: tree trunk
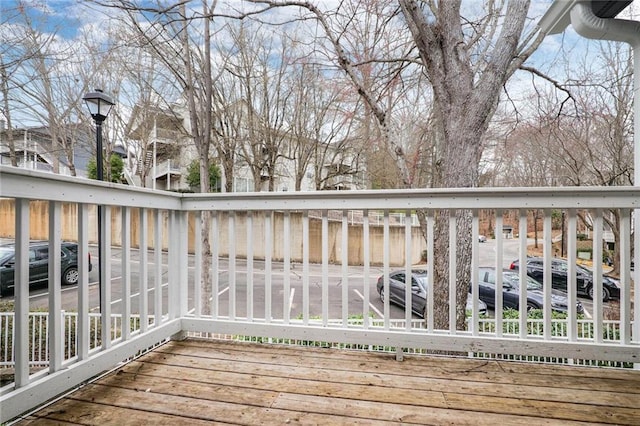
[7,114]
[464,103]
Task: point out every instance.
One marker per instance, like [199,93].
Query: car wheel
[382,295]
[70,276]
[605,293]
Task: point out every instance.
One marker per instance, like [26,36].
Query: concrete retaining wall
[40,223]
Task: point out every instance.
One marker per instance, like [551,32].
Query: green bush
[117,169]
[193,176]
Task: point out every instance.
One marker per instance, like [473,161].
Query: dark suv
[559,273]
[38,264]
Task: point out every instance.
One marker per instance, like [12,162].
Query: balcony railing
[279,273]
[167,167]
[39,342]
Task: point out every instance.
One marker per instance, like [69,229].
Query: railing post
[344,248]
[214,237]
[305,267]
[453,265]
[21,293]
[55,332]
[572,289]
[367,265]
[286,301]
[125,239]
[157,270]
[250,280]
[430,269]
[268,250]
[407,270]
[231,222]
[547,277]
[174,248]
[522,259]
[105,279]
[83,327]
[475,287]
[144,274]
[183,261]
[597,275]
[498,285]
[625,275]
[197,275]
[325,267]
[385,268]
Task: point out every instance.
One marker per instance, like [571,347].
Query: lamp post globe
[99,104]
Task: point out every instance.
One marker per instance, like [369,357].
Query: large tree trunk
[458,168]
[465,101]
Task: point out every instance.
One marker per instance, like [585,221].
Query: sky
[67,18]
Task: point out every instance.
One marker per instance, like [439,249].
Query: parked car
[38,264]
[418,289]
[609,262]
[511,291]
[482,239]
[584,277]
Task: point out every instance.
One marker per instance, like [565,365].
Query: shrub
[193,176]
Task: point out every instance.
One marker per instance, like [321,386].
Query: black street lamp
[99,105]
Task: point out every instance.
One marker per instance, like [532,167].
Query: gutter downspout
[588,25]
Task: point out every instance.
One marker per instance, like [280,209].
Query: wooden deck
[205,382]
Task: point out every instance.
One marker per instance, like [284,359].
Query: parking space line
[138,293]
[293,291]
[370,304]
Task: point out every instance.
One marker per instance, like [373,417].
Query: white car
[482,238]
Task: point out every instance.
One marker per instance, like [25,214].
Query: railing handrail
[42,185]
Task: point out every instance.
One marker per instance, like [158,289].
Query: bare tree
[229,117]
[595,144]
[10,59]
[41,56]
[260,69]
[181,39]
[467,63]
[6,109]
[321,138]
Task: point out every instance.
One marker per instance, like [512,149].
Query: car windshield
[421,279]
[6,253]
[582,269]
[514,279]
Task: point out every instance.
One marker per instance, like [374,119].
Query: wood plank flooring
[216,382]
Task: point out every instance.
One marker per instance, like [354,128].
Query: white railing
[39,321]
[167,167]
[276,273]
[38,335]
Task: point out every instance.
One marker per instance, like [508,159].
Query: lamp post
[99,105]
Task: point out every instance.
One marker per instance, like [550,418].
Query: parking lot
[362,296]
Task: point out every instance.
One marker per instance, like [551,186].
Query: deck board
[204,382]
